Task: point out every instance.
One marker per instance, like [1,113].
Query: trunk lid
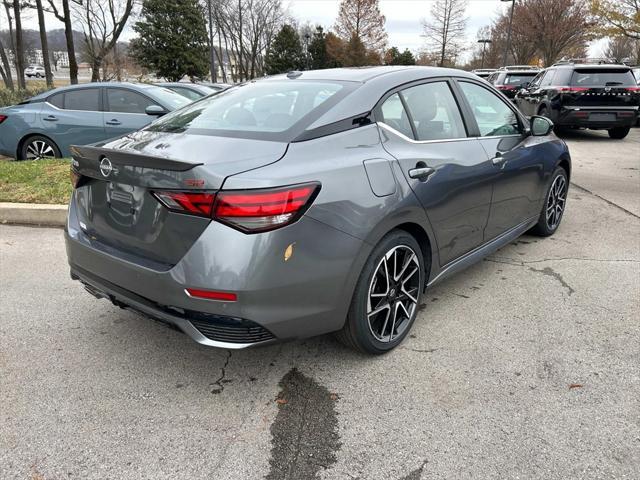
[116,208]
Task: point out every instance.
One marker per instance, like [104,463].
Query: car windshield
[168,97]
[261,109]
[600,77]
[519,78]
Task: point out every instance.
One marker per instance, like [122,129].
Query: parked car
[483,72]
[218,87]
[312,202]
[582,95]
[509,80]
[47,124]
[192,91]
[34,71]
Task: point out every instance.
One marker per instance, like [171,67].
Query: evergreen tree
[406,58]
[285,53]
[172,39]
[318,50]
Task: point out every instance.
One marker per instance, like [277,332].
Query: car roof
[595,66]
[366,74]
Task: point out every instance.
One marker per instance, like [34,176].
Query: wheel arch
[29,135]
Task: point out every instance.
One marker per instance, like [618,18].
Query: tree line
[237,40]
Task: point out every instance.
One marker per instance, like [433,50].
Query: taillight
[3,118]
[628,89]
[265,209]
[572,89]
[250,211]
[506,87]
[195,203]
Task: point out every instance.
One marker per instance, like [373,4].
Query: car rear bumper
[308,294]
[601,118]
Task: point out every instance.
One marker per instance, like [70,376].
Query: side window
[57,100]
[125,101]
[493,116]
[185,92]
[548,78]
[394,115]
[434,112]
[84,99]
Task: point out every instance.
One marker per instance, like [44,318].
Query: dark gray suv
[313,202]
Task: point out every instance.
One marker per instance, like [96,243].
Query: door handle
[421,172]
[51,118]
[498,159]
[114,122]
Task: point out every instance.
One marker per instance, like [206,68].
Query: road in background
[522,366]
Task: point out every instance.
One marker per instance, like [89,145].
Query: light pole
[484,42]
[506,48]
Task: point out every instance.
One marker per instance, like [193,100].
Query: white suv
[34,71]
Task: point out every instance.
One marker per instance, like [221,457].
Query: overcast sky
[403,19]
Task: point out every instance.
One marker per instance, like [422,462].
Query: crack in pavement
[613,204]
[522,263]
[218,385]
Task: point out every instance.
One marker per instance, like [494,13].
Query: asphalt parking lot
[526,365]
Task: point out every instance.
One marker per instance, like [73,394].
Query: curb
[33,214]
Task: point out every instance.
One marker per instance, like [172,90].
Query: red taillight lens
[506,87]
[250,211]
[195,203]
[572,89]
[265,209]
[628,89]
[3,118]
[212,295]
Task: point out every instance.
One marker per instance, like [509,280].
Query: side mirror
[541,126]
[155,110]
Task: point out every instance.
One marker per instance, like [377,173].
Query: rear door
[73,117]
[125,111]
[422,127]
[518,168]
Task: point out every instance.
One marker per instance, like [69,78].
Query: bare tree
[362,19]
[44,44]
[556,27]
[102,23]
[623,48]
[62,12]
[446,29]
[618,17]
[5,68]
[245,30]
[17,41]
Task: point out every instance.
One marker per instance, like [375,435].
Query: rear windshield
[519,78]
[602,77]
[268,110]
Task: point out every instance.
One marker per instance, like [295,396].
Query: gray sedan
[313,202]
[46,125]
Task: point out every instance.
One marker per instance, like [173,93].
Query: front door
[450,173]
[125,111]
[519,169]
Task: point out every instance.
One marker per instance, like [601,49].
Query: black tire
[39,147]
[545,227]
[394,249]
[619,132]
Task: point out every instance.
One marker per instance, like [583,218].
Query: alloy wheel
[393,293]
[39,149]
[556,202]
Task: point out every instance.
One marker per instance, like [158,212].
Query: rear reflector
[3,118]
[249,211]
[195,203]
[211,295]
